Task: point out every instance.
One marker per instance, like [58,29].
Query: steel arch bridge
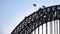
[38,18]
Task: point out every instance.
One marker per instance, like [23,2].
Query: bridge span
[44,21]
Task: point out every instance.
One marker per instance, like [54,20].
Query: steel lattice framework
[33,21]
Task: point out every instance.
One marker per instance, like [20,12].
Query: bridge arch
[38,18]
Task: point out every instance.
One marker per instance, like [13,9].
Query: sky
[12,12]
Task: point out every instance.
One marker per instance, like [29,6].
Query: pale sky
[12,12]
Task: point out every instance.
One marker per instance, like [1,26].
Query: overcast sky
[12,12]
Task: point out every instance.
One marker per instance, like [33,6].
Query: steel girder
[38,18]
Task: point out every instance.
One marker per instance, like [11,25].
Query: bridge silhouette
[37,19]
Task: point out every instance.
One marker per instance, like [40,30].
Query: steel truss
[33,21]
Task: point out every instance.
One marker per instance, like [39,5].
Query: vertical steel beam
[59,26]
[56,27]
[46,28]
[51,32]
[35,31]
[38,30]
[42,28]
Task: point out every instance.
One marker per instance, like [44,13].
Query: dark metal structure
[38,18]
